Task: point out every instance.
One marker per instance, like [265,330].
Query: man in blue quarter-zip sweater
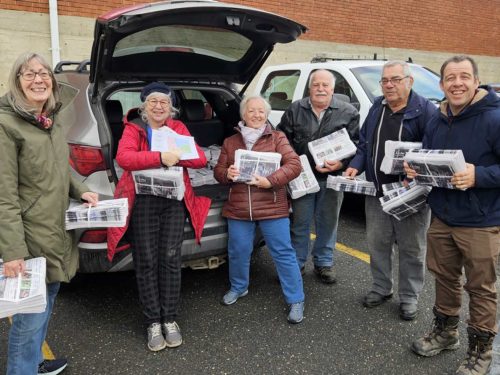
[399,115]
[465,229]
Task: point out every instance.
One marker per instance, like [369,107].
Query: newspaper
[205,176]
[107,213]
[26,293]
[405,201]
[162,182]
[165,139]
[436,167]
[394,154]
[335,146]
[355,185]
[251,163]
[306,183]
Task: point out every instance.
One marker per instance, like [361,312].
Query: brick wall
[458,26]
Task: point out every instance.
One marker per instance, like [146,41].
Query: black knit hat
[157,87]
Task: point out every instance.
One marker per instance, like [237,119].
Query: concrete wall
[22,31]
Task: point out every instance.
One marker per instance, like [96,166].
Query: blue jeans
[324,208]
[276,233]
[26,337]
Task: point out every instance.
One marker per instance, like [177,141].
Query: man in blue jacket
[465,230]
[399,115]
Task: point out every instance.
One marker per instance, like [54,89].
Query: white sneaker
[172,334]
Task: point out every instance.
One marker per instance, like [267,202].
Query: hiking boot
[325,274]
[296,314]
[52,367]
[231,297]
[444,336]
[479,355]
[172,334]
[156,341]
[373,299]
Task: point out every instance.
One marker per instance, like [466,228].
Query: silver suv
[203,50]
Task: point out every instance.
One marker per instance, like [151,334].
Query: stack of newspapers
[436,167]
[108,213]
[162,182]
[205,176]
[395,152]
[26,293]
[306,183]
[335,146]
[352,185]
[402,201]
[251,163]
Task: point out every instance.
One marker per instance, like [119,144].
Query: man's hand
[410,173]
[14,268]
[91,198]
[351,172]
[330,166]
[170,158]
[466,179]
[232,172]
[260,182]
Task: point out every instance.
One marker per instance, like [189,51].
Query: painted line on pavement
[349,250]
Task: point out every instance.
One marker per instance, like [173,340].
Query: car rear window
[213,42]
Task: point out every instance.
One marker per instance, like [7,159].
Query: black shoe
[408,311]
[52,367]
[374,299]
[326,274]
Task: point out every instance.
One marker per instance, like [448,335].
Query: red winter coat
[133,155]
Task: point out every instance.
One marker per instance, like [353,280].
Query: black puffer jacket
[247,202]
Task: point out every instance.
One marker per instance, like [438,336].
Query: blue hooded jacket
[475,131]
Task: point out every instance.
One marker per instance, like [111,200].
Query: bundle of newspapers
[26,293]
[436,167]
[251,163]
[352,185]
[402,201]
[335,146]
[108,213]
[205,176]
[162,182]
[306,183]
[394,156]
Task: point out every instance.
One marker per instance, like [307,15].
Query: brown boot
[444,336]
[479,355]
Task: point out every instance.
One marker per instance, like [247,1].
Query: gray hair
[142,108]
[317,71]
[16,95]
[459,59]
[403,64]
[246,99]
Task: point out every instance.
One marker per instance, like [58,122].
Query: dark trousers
[157,226]
[449,249]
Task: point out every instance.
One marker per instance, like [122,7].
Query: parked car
[356,82]
[202,49]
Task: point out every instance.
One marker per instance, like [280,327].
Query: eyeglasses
[30,75]
[153,102]
[393,81]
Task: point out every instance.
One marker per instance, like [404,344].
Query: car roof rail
[81,66]
[322,57]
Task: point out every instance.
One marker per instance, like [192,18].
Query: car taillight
[94,236]
[86,159]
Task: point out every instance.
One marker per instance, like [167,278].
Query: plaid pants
[157,226]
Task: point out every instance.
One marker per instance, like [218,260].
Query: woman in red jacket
[156,223]
[262,201]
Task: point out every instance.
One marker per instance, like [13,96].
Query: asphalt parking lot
[97,325]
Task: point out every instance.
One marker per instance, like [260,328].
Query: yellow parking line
[47,353]
[349,250]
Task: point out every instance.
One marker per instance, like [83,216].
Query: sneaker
[326,274]
[52,367]
[479,354]
[296,313]
[408,310]
[172,334]
[231,297]
[373,299]
[156,341]
[444,336]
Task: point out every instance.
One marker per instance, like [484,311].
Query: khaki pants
[449,249]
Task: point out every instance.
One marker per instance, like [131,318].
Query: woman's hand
[170,158]
[14,268]
[260,182]
[91,198]
[232,172]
